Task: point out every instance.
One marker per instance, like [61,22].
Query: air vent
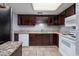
[41,20]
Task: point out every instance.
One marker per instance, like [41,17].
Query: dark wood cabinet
[34,40]
[16,37]
[43,39]
[71,10]
[51,20]
[26,20]
[61,20]
[31,19]
[56,39]
[56,20]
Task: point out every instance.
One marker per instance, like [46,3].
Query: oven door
[66,47]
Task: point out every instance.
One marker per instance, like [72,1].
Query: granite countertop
[38,32]
[8,48]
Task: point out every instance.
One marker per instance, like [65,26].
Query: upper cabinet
[52,19]
[56,20]
[71,10]
[61,19]
[26,20]
[32,20]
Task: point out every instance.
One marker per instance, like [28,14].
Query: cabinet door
[16,37]
[56,20]
[23,20]
[32,40]
[26,20]
[51,39]
[39,39]
[45,39]
[51,21]
[71,10]
[61,19]
[32,20]
[56,39]
[19,20]
[35,40]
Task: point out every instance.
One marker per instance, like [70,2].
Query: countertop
[44,32]
[37,32]
[8,48]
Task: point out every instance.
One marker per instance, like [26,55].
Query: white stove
[67,45]
[70,36]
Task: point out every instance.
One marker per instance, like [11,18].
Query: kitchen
[46,29]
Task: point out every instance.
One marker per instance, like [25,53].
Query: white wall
[77,32]
[32,28]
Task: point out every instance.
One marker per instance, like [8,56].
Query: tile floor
[40,51]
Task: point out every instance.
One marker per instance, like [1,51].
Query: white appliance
[66,46]
[24,38]
[70,21]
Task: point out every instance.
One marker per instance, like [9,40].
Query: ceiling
[27,8]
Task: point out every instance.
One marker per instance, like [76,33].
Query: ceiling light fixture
[45,6]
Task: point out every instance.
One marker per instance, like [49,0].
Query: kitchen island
[11,49]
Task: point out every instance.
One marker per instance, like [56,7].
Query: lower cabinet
[39,39]
[56,39]
[35,39]
[43,39]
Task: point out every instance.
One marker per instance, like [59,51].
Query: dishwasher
[24,38]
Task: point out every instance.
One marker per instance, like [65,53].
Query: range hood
[41,20]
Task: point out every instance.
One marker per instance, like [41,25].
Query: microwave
[70,21]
